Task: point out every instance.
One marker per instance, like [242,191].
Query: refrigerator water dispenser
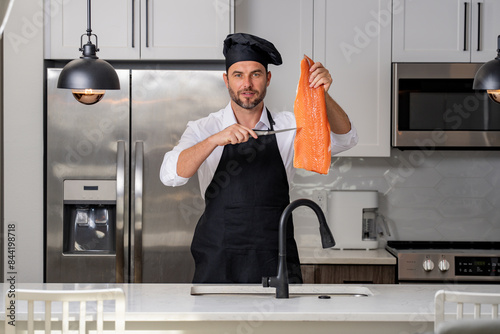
[89,217]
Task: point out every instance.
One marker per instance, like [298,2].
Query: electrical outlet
[321,198]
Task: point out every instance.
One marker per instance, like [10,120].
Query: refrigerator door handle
[136,230]
[121,223]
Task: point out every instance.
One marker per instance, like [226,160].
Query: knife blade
[271,132]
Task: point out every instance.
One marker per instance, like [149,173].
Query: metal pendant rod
[89,29]
[498,46]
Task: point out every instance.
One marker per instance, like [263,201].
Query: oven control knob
[443,265]
[428,265]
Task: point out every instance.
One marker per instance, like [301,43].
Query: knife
[271,132]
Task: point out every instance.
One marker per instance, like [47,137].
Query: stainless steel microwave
[434,106]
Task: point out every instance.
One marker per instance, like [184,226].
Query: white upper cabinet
[187,29]
[353,40]
[445,30]
[485,30]
[292,34]
[140,29]
[114,22]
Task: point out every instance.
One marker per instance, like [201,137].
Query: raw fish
[312,140]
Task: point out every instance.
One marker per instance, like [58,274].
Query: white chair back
[462,298]
[65,297]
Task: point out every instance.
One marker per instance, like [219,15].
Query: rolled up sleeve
[168,169]
[343,142]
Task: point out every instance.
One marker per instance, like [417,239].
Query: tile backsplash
[425,195]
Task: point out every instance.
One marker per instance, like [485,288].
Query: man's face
[247,83]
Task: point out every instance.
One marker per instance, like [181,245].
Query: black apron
[236,238]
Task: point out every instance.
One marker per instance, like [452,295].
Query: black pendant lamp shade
[88,77]
[488,77]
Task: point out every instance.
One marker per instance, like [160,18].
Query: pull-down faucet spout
[280,281]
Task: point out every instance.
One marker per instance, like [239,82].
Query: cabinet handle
[147,23]
[478,26]
[133,23]
[466,6]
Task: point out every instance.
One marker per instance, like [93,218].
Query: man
[245,178]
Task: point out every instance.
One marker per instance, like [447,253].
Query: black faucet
[280,282]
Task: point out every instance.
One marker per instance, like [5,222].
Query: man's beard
[249,104]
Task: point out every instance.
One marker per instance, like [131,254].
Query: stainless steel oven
[434,106]
[446,261]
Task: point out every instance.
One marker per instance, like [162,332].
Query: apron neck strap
[271,121]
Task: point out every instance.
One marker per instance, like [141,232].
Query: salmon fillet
[312,140]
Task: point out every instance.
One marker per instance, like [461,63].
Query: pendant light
[88,77]
[488,77]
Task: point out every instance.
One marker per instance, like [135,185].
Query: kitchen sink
[295,290]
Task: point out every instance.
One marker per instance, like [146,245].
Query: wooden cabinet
[353,40]
[445,30]
[141,29]
[348,274]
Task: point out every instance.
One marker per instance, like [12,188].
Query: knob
[443,265]
[428,265]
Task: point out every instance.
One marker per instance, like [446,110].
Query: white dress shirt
[203,128]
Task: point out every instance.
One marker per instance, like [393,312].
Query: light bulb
[88,96]
[494,95]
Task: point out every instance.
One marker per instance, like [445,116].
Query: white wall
[23,138]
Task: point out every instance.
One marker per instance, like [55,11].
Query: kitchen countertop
[390,308]
[337,256]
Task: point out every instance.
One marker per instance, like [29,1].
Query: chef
[244,178]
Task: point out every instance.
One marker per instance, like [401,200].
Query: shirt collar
[229,119]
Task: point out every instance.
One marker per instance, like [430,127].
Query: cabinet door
[431,31]
[115,23]
[188,29]
[348,274]
[288,24]
[353,40]
[485,30]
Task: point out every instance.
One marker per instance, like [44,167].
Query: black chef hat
[241,47]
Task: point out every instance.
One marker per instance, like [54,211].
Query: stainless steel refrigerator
[108,216]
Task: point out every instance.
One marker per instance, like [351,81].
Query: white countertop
[173,302]
[336,256]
